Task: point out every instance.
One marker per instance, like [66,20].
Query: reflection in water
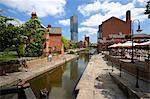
[60,82]
[74,70]
[47,80]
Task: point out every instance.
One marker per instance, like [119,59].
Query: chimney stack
[128,16]
[33,15]
[49,26]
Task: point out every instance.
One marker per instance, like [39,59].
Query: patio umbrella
[112,46]
[129,44]
[115,45]
[145,44]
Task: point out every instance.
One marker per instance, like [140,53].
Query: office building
[74,28]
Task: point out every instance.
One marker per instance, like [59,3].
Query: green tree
[65,42]
[10,35]
[147,11]
[34,32]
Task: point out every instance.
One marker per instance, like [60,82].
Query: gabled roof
[55,30]
[113,18]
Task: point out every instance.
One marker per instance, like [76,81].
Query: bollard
[137,77]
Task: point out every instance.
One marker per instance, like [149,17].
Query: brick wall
[114,26]
[55,42]
[10,66]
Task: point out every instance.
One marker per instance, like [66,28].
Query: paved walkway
[130,81]
[14,78]
[105,88]
[96,82]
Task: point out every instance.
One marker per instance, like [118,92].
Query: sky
[91,13]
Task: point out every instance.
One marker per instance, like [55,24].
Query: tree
[34,32]
[65,42]
[147,11]
[10,35]
[26,39]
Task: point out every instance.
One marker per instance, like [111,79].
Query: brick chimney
[128,16]
[33,15]
[49,26]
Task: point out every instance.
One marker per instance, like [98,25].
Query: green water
[60,82]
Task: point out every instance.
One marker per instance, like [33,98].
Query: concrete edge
[127,91]
[84,86]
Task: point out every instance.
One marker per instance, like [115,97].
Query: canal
[61,81]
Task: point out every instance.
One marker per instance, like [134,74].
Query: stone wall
[10,66]
[18,65]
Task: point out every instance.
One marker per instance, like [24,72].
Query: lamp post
[138,30]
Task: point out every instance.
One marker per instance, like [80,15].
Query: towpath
[14,78]
[96,82]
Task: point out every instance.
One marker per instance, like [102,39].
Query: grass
[11,55]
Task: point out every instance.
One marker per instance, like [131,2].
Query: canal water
[61,81]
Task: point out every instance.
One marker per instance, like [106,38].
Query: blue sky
[90,13]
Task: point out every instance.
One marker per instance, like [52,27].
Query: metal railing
[137,71]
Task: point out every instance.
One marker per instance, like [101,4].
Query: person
[49,57]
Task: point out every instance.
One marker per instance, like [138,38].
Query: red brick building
[53,42]
[112,28]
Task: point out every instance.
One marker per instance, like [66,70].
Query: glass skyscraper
[74,28]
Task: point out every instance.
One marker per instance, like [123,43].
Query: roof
[43,26]
[141,36]
[113,18]
[54,30]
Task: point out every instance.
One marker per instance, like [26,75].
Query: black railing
[138,72]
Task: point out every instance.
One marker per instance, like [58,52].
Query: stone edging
[85,85]
[128,92]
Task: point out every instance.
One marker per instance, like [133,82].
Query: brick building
[53,42]
[113,28]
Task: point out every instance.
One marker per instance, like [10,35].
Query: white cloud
[109,9]
[94,20]
[65,22]
[42,7]
[89,8]
[142,1]
[87,30]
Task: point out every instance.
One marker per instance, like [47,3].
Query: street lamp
[138,30]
